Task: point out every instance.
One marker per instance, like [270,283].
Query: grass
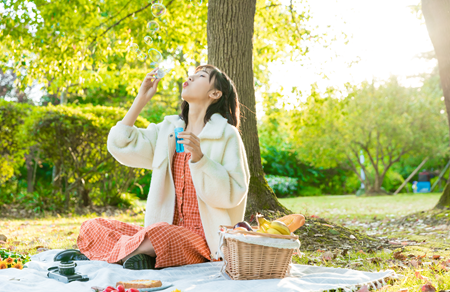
[373,215]
[361,208]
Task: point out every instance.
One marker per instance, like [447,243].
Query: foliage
[13,138]
[385,123]
[74,140]
[280,156]
[89,54]
[75,166]
[282,185]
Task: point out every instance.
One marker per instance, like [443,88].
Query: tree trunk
[444,201]
[437,19]
[230,48]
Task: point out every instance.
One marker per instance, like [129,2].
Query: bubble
[148,40]
[196,2]
[153,26]
[162,72]
[158,10]
[141,56]
[133,47]
[154,56]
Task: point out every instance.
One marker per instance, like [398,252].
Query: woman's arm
[223,186]
[145,94]
[132,146]
[128,144]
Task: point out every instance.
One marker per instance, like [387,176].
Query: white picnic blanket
[203,277]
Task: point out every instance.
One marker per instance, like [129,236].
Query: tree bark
[437,19]
[230,48]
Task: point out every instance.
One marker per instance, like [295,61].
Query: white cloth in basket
[261,240]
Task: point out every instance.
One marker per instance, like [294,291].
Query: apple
[244,225]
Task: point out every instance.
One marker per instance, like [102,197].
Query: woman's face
[198,89]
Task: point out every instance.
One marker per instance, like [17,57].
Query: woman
[191,193]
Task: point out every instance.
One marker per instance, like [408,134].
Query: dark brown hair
[227,105]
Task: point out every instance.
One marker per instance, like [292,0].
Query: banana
[275,227]
[263,223]
[273,231]
[280,227]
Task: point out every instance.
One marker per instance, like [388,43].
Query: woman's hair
[227,105]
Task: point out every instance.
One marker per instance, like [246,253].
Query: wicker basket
[246,261]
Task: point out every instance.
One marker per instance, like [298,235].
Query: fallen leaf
[41,249]
[414,263]
[334,232]
[428,288]
[436,257]
[419,275]
[3,237]
[399,256]
[327,256]
[364,289]
[403,290]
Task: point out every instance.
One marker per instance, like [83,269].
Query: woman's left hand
[191,145]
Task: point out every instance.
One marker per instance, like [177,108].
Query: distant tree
[385,123]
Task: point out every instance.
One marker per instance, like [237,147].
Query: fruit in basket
[273,231]
[244,225]
[240,228]
[280,227]
[274,227]
[293,221]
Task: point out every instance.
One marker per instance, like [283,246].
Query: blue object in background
[423,187]
[179,147]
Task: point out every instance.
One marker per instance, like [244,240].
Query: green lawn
[361,208]
[31,236]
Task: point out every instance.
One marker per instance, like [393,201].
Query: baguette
[140,284]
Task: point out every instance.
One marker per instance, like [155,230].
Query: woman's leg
[108,239]
[145,247]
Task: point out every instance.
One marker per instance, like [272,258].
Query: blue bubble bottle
[179,147]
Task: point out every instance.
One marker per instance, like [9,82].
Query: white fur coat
[221,178]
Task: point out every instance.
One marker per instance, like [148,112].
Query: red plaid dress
[182,243]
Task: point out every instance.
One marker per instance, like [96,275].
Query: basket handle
[294,237]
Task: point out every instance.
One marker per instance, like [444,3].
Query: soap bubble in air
[153,26]
[196,2]
[158,10]
[148,40]
[154,56]
[141,56]
[133,47]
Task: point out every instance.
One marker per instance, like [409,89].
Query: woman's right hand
[148,86]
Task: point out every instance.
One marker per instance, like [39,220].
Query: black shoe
[140,262]
[70,255]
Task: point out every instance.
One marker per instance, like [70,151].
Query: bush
[14,141]
[75,166]
[74,141]
[285,163]
[282,185]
